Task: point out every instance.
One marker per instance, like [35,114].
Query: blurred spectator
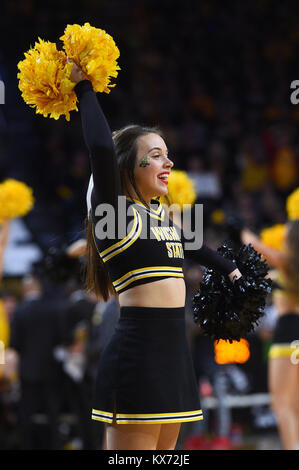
[206,182]
[79,355]
[228,123]
[35,331]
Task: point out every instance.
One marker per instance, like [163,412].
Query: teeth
[164,176]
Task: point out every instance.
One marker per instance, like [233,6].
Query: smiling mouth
[164,177]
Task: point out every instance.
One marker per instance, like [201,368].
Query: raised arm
[274,258]
[98,139]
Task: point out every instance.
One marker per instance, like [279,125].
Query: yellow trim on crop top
[143,273]
[150,257]
[125,242]
[158,214]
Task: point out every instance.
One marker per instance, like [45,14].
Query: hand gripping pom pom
[227,310]
[95,52]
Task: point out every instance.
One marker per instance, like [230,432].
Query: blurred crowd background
[215,76]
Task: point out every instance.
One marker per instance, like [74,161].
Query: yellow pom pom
[4,328]
[95,52]
[235,352]
[292,205]
[180,189]
[218,216]
[274,236]
[44,81]
[16,199]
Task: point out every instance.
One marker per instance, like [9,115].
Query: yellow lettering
[161,233]
[172,233]
[154,229]
[165,232]
[168,246]
[177,250]
[176,236]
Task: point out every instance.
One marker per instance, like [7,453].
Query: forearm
[95,127]
[98,139]
[275,258]
[76,249]
[213,260]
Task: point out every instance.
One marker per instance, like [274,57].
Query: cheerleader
[283,364]
[146,385]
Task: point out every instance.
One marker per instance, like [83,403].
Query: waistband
[152,312]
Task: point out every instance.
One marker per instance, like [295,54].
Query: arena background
[215,76]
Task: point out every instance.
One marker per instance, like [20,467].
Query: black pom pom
[230,310]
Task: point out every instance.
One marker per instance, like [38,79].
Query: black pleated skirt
[146,372]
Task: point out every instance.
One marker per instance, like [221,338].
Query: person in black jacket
[35,331]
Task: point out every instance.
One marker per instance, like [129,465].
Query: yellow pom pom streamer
[274,236]
[180,189]
[95,52]
[4,328]
[44,81]
[292,205]
[16,199]
[235,352]
[218,216]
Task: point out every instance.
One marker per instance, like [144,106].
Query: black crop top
[138,244]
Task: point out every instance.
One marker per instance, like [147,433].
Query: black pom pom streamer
[230,310]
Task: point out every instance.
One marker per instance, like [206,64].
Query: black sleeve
[98,139]
[209,258]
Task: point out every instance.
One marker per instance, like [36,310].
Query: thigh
[132,436]
[283,376]
[168,436]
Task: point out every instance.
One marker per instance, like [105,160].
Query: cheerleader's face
[153,166]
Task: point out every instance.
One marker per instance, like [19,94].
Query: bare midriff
[169,292]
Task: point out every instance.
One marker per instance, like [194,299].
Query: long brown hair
[125,144]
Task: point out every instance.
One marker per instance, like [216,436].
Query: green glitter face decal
[145,161]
